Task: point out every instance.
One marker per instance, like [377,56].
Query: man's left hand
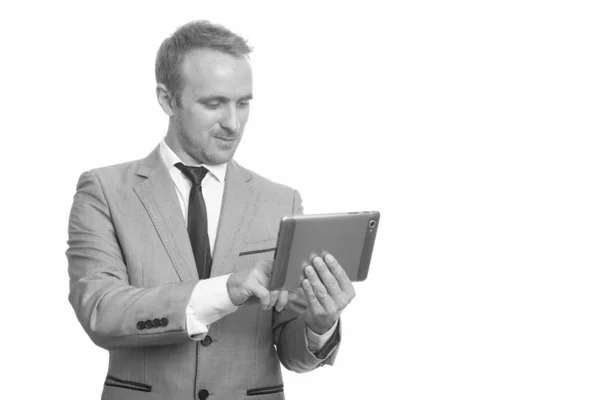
[328,291]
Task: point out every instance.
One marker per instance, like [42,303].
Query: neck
[174,144]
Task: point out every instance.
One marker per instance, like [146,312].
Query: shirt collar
[169,157]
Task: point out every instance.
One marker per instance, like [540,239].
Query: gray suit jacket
[132,272]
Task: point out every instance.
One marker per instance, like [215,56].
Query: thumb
[264,296]
[267,267]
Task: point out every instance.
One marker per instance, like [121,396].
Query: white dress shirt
[210,300]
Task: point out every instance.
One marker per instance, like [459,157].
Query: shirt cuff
[315,341]
[208,303]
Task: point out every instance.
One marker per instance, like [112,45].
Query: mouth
[225,139]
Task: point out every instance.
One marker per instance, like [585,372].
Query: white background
[471,125]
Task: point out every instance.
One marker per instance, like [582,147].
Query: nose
[230,120]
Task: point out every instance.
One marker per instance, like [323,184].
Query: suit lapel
[239,203]
[158,195]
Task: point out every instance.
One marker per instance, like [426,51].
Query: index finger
[338,272]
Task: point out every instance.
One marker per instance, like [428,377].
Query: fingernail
[329,258]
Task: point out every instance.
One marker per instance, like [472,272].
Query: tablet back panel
[348,237]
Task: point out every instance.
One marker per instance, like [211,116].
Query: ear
[166,101]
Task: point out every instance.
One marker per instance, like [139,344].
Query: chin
[219,158]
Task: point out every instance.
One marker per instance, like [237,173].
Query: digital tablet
[349,237]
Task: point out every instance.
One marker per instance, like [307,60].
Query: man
[170,256]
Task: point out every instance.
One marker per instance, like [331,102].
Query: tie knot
[194,174]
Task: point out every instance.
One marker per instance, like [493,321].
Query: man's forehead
[208,68]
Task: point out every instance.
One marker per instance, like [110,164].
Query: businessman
[170,256]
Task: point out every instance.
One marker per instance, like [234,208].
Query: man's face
[216,90]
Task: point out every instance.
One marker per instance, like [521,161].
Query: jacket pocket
[247,253]
[122,383]
[265,390]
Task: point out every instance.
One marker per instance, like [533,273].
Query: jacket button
[140,325]
[148,324]
[206,341]
[156,322]
[203,394]
[164,322]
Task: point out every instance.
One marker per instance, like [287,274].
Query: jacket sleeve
[114,313]
[289,331]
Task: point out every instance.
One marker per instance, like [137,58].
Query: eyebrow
[222,99]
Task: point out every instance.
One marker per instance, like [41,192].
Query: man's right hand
[252,284]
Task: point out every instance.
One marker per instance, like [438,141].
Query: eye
[212,105]
[243,103]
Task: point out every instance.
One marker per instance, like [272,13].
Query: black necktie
[197,220]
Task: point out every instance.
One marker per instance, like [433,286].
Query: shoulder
[263,184]
[118,169]
[272,194]
[125,170]
[116,172]
[115,176]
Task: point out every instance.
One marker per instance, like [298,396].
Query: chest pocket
[261,250]
[253,252]
[262,247]
[261,240]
